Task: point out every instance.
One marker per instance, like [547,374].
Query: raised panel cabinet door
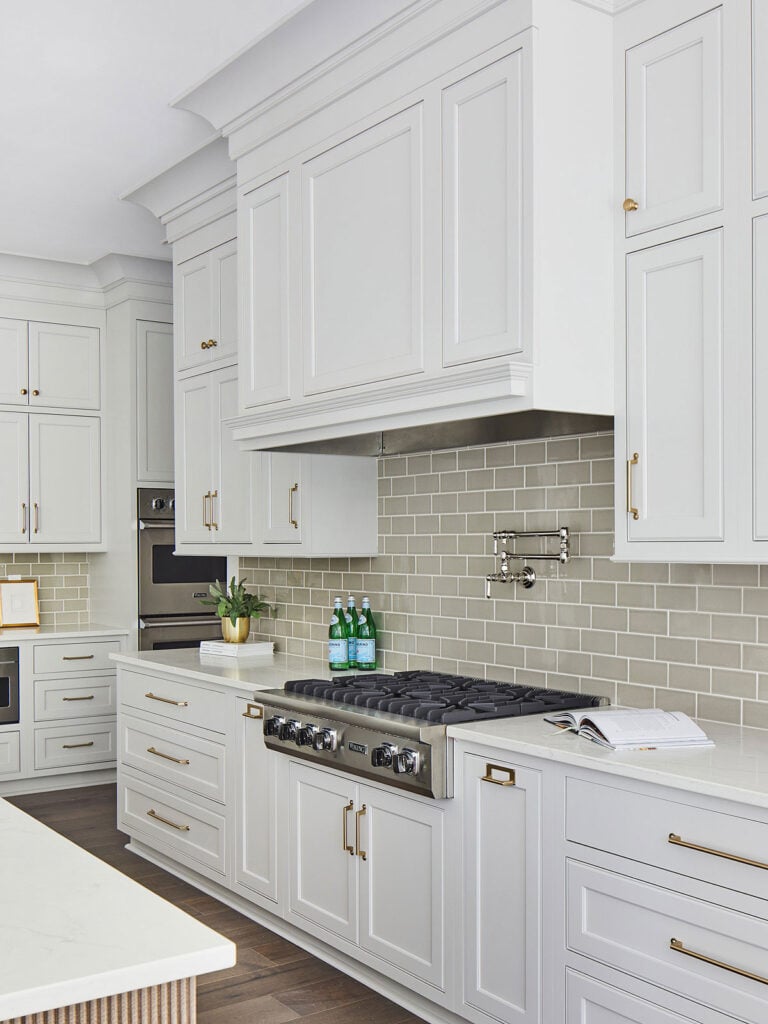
[482,212]
[674,130]
[593,1002]
[194,460]
[154,362]
[760,376]
[759,98]
[402,891]
[256,840]
[224,289]
[64,366]
[65,479]
[323,865]
[265,353]
[231,502]
[193,302]
[281,493]
[502,894]
[14,375]
[675,391]
[15,517]
[362,248]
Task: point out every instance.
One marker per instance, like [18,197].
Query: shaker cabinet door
[281,496]
[232,514]
[193,300]
[14,375]
[64,370]
[759,98]
[65,479]
[14,478]
[194,462]
[154,368]
[256,857]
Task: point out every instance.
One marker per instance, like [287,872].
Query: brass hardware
[677,841]
[293,490]
[166,700]
[253,707]
[491,768]
[206,517]
[74,746]
[151,813]
[631,510]
[344,839]
[91,696]
[629,205]
[358,815]
[212,343]
[23,517]
[203,346]
[678,947]
[23,391]
[36,507]
[77,657]
[176,760]
[213,524]
[35,392]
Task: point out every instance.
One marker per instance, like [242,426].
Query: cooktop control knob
[272,725]
[289,730]
[324,739]
[406,762]
[306,735]
[158,504]
[382,757]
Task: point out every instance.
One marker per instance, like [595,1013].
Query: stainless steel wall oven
[9,685]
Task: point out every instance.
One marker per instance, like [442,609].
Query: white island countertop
[73,929]
[19,634]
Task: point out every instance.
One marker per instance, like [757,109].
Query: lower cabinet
[256,859]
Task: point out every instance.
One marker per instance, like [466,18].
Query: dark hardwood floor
[273,981]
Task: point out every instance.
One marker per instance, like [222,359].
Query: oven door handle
[162,524]
[164,623]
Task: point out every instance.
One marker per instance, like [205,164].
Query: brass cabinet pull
[491,768]
[152,813]
[358,815]
[291,491]
[91,696]
[74,746]
[212,343]
[203,346]
[35,392]
[23,391]
[253,711]
[344,839]
[678,947]
[213,525]
[176,760]
[167,700]
[23,517]
[206,517]
[629,205]
[77,657]
[631,510]
[675,840]
[36,507]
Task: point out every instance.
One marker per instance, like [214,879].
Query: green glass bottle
[338,645]
[351,620]
[366,637]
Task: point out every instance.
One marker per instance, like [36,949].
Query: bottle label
[361,620]
[366,651]
[337,650]
[334,620]
[352,646]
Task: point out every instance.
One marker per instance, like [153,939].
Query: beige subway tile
[676,597]
[736,575]
[606,667]
[401,602]
[718,709]
[531,636]
[509,478]
[426,483]
[471,629]
[729,683]
[446,627]
[395,465]
[476,480]
[635,595]
[509,654]
[719,599]
[428,645]
[602,471]
[396,506]
[649,572]
[404,485]
[564,591]
[714,652]
[540,659]
[635,645]
[444,462]
[597,446]
[598,544]
[473,587]
[471,501]
[574,663]
[756,601]
[596,495]
[690,624]
[734,627]
[648,673]
[540,613]
[563,449]
[598,593]
[470,458]
[676,700]
[599,688]
[453,482]
[445,544]
[475,544]
[419,545]
[762,631]
[598,641]
[527,498]
[610,618]
[574,473]
[419,505]
[689,677]
[530,452]
[483,522]
[605,569]
[510,610]
[755,714]
[576,615]
[540,476]
[635,696]
[755,658]
[676,649]
[698,574]
[562,638]
[648,622]
[500,455]
[418,585]
[453,649]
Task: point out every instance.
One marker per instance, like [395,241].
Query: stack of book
[221,649]
[633,728]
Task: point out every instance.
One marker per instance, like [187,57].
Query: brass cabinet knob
[203,345]
[23,391]
[629,205]
[212,343]
[35,392]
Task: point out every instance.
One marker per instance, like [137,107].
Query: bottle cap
[337,600]
[350,600]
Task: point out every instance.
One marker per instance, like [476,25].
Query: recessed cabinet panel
[759,98]
[64,366]
[281,495]
[14,378]
[592,1002]
[231,505]
[362,239]
[256,858]
[65,479]
[674,142]
[194,300]
[14,478]
[675,390]
[265,359]
[760,371]
[154,356]
[194,465]
[224,273]
[482,149]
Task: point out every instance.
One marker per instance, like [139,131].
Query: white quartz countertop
[736,768]
[266,672]
[72,928]
[18,634]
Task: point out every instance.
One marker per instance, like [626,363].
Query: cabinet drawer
[64,698]
[178,700]
[592,1002]
[63,746]
[189,761]
[630,925]
[193,832]
[10,757]
[639,827]
[80,656]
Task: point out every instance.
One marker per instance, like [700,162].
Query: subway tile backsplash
[62,584]
[686,637]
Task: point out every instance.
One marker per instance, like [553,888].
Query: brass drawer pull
[77,657]
[74,746]
[675,840]
[253,711]
[151,813]
[358,815]
[631,510]
[678,947]
[291,491]
[489,777]
[344,839]
[213,525]
[36,509]
[176,760]
[23,517]
[167,700]
[91,696]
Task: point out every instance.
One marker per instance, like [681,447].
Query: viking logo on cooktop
[358,748]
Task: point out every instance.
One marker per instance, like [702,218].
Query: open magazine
[633,728]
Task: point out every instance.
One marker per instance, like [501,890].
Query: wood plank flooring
[273,982]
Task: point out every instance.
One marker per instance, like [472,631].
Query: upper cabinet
[759,98]
[205,290]
[49,365]
[154,396]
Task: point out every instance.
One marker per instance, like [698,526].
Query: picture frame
[19,604]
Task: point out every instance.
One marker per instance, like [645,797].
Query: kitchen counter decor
[236,607]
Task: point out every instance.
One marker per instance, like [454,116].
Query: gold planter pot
[236,634]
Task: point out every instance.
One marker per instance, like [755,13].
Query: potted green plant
[236,608]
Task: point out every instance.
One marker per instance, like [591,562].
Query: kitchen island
[80,941]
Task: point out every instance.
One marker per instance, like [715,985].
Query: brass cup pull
[36,509]
[74,746]
[167,700]
[77,657]
[358,815]
[679,947]
[91,696]
[253,711]
[676,840]
[23,391]
[23,517]
[213,525]
[291,491]
[344,839]
[35,392]
[631,510]
[152,813]
[629,205]
[489,776]
[176,760]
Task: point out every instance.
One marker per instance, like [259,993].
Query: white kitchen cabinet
[760,371]
[14,362]
[674,117]
[54,366]
[280,494]
[14,478]
[256,858]
[154,420]
[759,98]
[205,291]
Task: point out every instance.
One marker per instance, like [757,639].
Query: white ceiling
[85,116]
